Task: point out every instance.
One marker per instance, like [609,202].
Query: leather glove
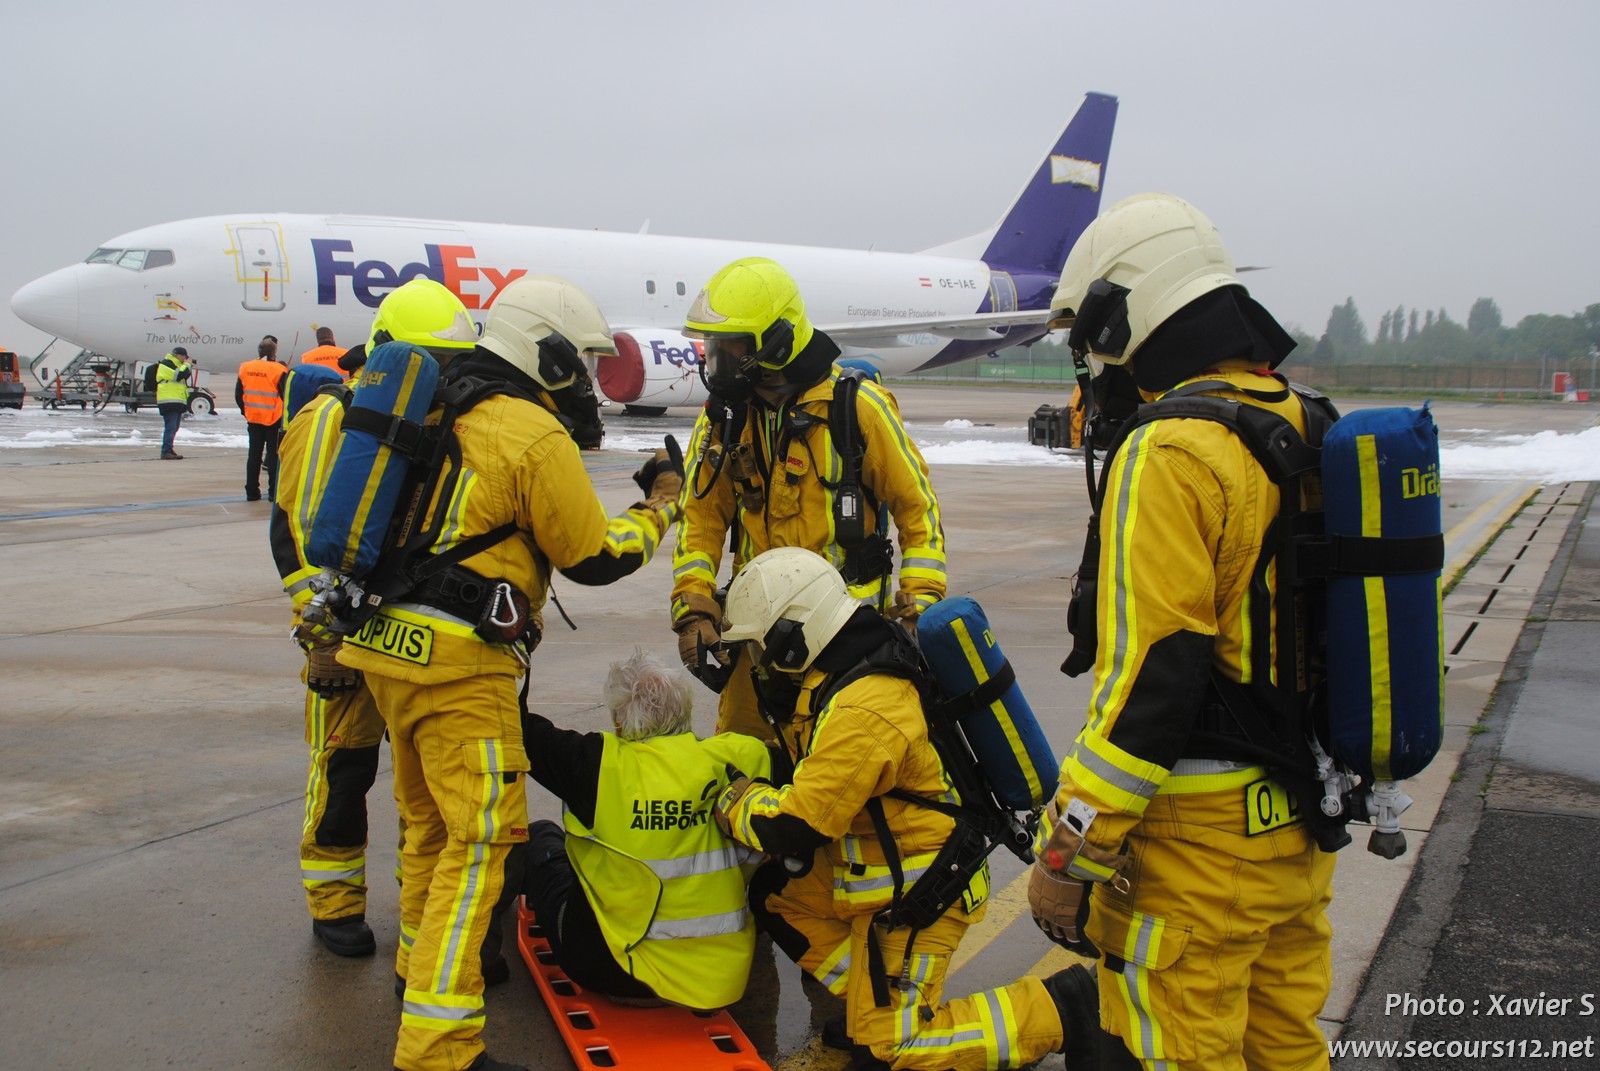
[1060,908]
[728,799]
[905,609]
[1060,902]
[661,477]
[325,674]
[700,642]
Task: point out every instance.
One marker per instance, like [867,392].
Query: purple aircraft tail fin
[1062,198]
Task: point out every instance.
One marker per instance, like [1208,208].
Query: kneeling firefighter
[443,658]
[1208,890]
[860,825]
[791,452]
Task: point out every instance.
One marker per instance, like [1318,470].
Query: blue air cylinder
[960,649]
[367,474]
[1380,482]
[300,385]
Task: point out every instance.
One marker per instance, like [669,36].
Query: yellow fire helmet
[1140,262]
[752,319]
[423,312]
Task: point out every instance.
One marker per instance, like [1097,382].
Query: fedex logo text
[371,280]
[685,357]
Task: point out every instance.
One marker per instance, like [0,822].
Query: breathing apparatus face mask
[733,366]
[575,401]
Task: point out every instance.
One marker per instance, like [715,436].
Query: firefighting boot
[1077,998]
[349,936]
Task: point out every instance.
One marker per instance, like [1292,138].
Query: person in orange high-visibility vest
[259,396]
[326,352]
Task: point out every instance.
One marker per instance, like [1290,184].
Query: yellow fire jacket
[305,457]
[870,737]
[1186,509]
[518,465]
[799,463]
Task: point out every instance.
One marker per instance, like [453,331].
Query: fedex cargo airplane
[217,284]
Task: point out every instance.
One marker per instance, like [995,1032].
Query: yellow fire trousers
[1216,962]
[1006,1027]
[343,734]
[459,766]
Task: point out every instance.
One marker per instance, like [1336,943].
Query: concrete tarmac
[152,778]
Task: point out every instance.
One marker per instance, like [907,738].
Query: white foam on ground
[40,428]
[1546,456]
[989,452]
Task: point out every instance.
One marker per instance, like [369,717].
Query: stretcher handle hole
[725,1042]
[563,987]
[600,1055]
[544,955]
[580,1019]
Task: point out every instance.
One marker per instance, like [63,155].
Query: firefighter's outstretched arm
[894,471]
[569,523]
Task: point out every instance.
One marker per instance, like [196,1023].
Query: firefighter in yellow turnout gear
[1208,902]
[343,727]
[854,751]
[448,694]
[763,463]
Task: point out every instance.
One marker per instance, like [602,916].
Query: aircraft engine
[652,370]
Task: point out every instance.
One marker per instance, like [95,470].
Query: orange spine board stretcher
[602,1034]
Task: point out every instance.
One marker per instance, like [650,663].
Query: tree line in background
[1422,336]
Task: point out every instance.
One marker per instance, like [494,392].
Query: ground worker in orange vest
[326,353]
[259,396]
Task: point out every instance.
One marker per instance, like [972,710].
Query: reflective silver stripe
[300,585]
[355,874]
[699,926]
[463,920]
[692,566]
[945,1039]
[1119,579]
[1206,767]
[442,1011]
[911,562]
[313,466]
[429,611]
[861,885]
[1131,972]
[686,866]
[1002,1035]
[1131,783]
[839,970]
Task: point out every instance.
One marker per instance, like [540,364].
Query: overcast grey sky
[1422,154]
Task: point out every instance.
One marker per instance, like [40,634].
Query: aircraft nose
[621,375]
[50,303]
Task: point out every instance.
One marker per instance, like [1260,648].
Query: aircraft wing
[976,327]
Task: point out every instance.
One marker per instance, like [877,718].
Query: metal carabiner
[502,597]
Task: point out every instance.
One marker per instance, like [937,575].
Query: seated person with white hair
[642,897]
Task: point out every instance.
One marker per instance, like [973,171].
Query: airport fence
[1049,365]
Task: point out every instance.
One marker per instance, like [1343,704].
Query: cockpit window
[131,259]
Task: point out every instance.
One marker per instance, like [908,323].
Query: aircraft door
[260,265]
[1002,292]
